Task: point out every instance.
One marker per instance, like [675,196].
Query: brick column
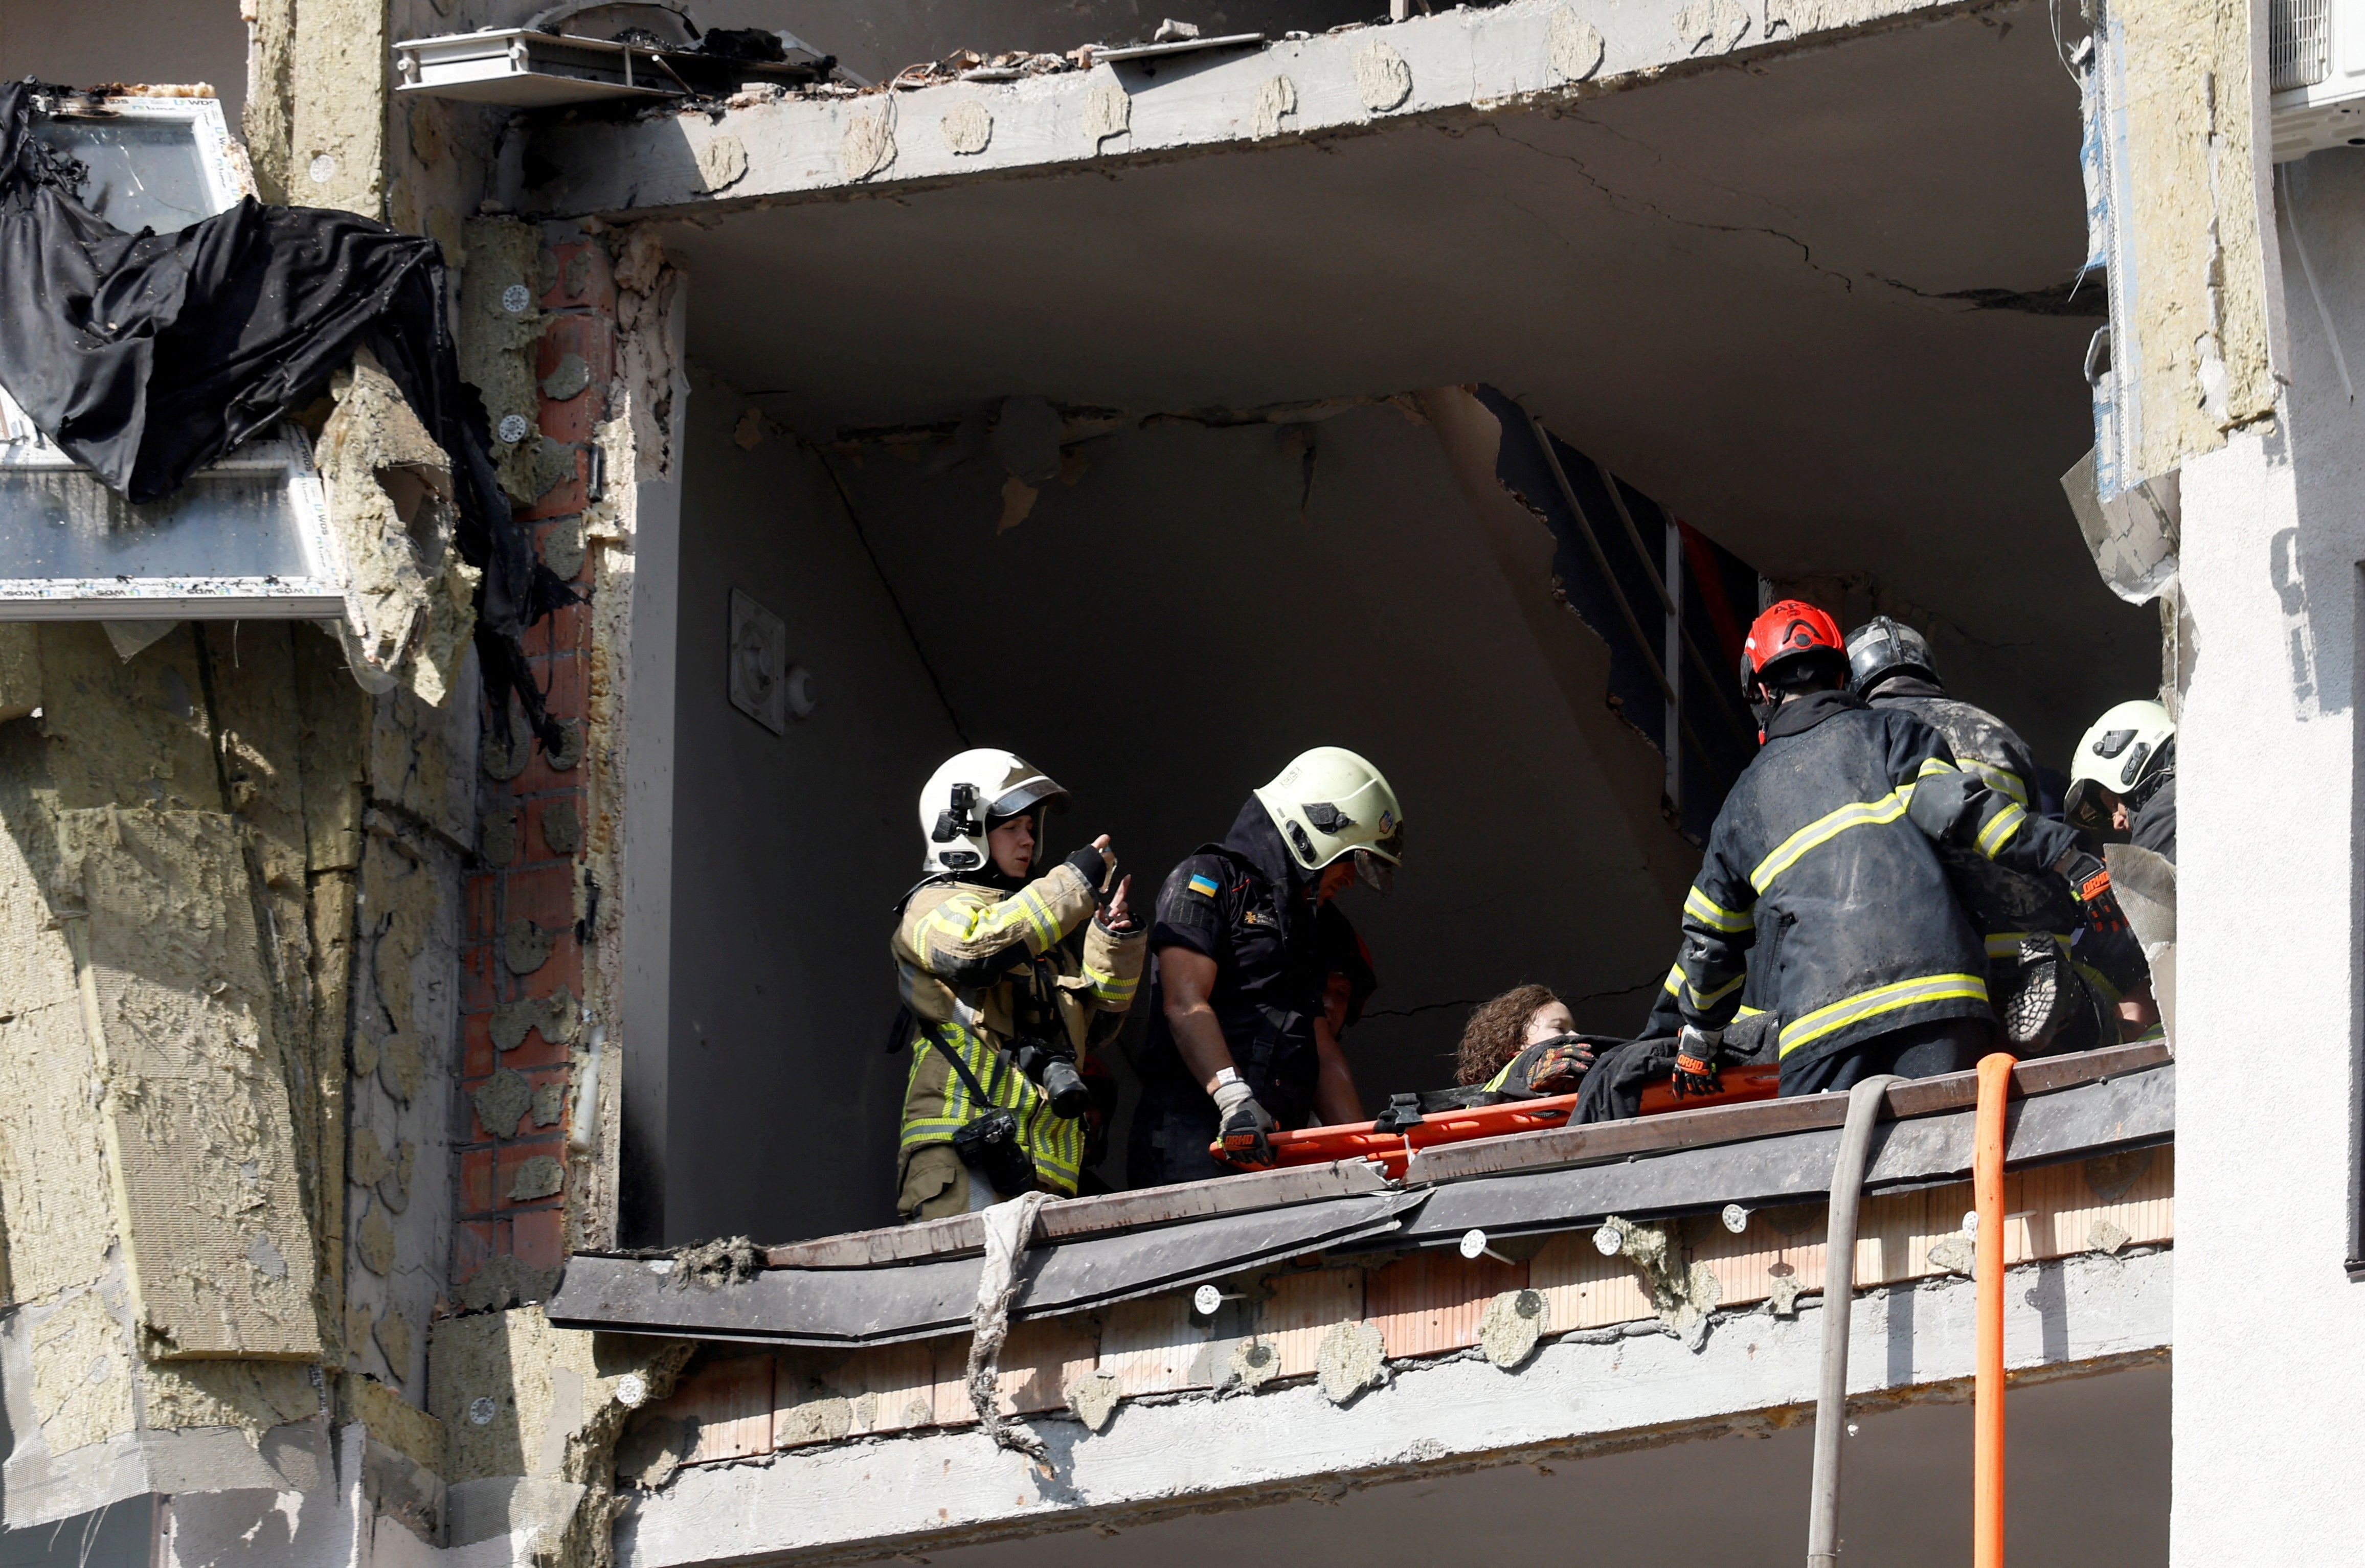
[528,899]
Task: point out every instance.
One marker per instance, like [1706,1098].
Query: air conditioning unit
[2315,57]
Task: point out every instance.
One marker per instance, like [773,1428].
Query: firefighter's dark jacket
[1244,903]
[2004,903]
[1824,859]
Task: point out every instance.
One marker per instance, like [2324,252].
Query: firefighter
[2045,1002]
[1824,860]
[1008,981]
[2123,781]
[1254,971]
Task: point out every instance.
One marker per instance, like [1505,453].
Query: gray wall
[788,852]
[127,40]
[1166,634]
[1161,636]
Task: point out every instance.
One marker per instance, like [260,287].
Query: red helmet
[1784,637]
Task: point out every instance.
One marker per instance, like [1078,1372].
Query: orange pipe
[1987,1190]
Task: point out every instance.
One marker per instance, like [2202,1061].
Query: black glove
[2089,883]
[1695,1054]
[1241,1131]
[1556,1066]
[1096,871]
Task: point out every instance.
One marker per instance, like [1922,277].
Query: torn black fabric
[147,357]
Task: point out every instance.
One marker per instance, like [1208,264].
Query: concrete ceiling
[1731,285]
[2087,1488]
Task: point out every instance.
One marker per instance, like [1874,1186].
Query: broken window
[247,537]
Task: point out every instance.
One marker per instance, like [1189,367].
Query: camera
[1054,1072]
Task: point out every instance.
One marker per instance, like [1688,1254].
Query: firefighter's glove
[1242,1124]
[1695,1054]
[2089,883]
[1098,870]
[1557,1065]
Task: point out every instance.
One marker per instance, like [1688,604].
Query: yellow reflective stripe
[1673,984]
[1056,1144]
[1502,1072]
[1934,765]
[1998,833]
[2006,944]
[1719,994]
[967,924]
[1108,987]
[1714,915]
[1880,999]
[2003,781]
[1830,825]
[1749,1012]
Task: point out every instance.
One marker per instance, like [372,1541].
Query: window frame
[320,594]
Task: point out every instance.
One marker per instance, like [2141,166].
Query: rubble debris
[410,598]
[1350,1359]
[1782,1296]
[714,1264]
[1954,1253]
[539,1176]
[2107,1237]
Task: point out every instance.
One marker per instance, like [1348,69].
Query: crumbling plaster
[1575,1394]
[1456,60]
[2195,303]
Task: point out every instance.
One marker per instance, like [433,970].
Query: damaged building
[449,860]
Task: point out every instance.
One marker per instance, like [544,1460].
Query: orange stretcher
[1393,1151]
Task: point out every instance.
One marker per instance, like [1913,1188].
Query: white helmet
[969,794]
[1330,803]
[2117,753]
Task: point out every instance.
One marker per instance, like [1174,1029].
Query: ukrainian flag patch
[1203,886]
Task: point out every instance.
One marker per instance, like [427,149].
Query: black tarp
[147,357]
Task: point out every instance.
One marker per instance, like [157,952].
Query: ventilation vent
[2299,43]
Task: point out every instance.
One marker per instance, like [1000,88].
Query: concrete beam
[1530,53]
[1579,1394]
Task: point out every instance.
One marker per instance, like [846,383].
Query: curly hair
[1496,1032]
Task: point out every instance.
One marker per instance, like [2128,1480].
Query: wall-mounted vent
[2299,43]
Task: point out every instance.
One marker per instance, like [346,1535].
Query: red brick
[539,1236]
[484,906]
[513,1155]
[476,1243]
[582,333]
[541,779]
[599,284]
[543,894]
[563,499]
[534,1051]
[478,1170]
[564,968]
[476,1052]
[566,629]
[478,990]
[562,679]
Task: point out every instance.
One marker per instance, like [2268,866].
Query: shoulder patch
[1202,884]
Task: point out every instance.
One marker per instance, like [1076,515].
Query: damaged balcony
[1320,436]
[1186,1353]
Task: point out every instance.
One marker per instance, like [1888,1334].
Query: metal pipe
[1986,1193]
[1866,1102]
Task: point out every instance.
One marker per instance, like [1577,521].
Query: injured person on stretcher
[1879,894]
